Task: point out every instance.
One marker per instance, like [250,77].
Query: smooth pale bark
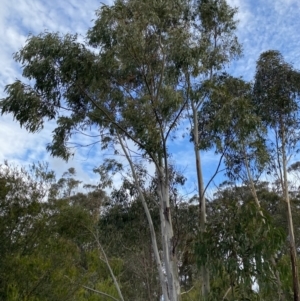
[292,244]
[170,286]
[105,260]
[202,202]
[100,293]
[168,240]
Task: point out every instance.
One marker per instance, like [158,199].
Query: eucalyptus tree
[126,88]
[212,46]
[277,91]
[231,126]
[130,81]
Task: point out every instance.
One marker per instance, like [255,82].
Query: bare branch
[100,293]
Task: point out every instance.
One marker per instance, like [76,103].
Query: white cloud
[262,25]
[266,25]
[16,22]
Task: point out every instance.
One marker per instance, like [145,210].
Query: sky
[263,25]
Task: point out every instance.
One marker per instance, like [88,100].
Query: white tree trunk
[168,240]
[162,279]
[202,202]
[285,188]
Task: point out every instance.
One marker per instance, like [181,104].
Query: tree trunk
[163,284]
[168,239]
[285,189]
[202,202]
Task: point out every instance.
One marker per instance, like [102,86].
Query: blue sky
[263,25]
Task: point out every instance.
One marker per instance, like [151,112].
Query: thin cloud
[16,23]
[266,25]
[262,25]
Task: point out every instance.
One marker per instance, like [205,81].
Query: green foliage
[228,122]
[48,249]
[276,83]
[141,65]
[239,243]
[52,253]
[144,50]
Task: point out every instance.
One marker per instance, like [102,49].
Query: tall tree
[232,128]
[277,91]
[213,45]
[132,75]
[133,86]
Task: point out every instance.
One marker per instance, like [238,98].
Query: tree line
[59,242]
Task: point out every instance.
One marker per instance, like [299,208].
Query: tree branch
[108,266]
[118,126]
[100,293]
[150,222]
